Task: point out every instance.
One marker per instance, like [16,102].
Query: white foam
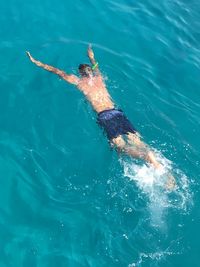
[153,184]
[152,256]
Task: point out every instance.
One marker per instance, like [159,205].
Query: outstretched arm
[69,78]
[95,66]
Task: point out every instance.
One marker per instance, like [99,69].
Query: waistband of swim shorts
[108,111]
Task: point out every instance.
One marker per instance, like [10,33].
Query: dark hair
[85,70]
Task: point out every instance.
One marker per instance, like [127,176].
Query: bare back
[95,91]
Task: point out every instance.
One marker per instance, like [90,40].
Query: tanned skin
[94,89]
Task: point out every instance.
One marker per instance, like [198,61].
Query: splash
[156,256]
[153,184]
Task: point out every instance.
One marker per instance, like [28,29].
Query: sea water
[67,199]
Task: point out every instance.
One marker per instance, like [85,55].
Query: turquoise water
[66,198]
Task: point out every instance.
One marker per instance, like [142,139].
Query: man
[120,132]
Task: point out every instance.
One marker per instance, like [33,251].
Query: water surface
[66,198]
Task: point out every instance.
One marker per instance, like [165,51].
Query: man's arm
[95,65]
[69,78]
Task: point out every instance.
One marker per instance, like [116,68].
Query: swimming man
[120,132]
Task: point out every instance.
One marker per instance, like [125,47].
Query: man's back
[95,91]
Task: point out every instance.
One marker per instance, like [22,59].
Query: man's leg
[138,149]
[135,148]
[122,146]
[145,153]
[148,155]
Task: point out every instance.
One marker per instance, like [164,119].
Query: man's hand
[30,57]
[95,67]
[90,52]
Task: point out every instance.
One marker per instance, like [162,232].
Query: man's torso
[95,91]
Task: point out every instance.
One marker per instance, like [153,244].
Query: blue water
[66,198]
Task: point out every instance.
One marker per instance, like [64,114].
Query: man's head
[85,70]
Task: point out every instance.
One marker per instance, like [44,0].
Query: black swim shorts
[114,123]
